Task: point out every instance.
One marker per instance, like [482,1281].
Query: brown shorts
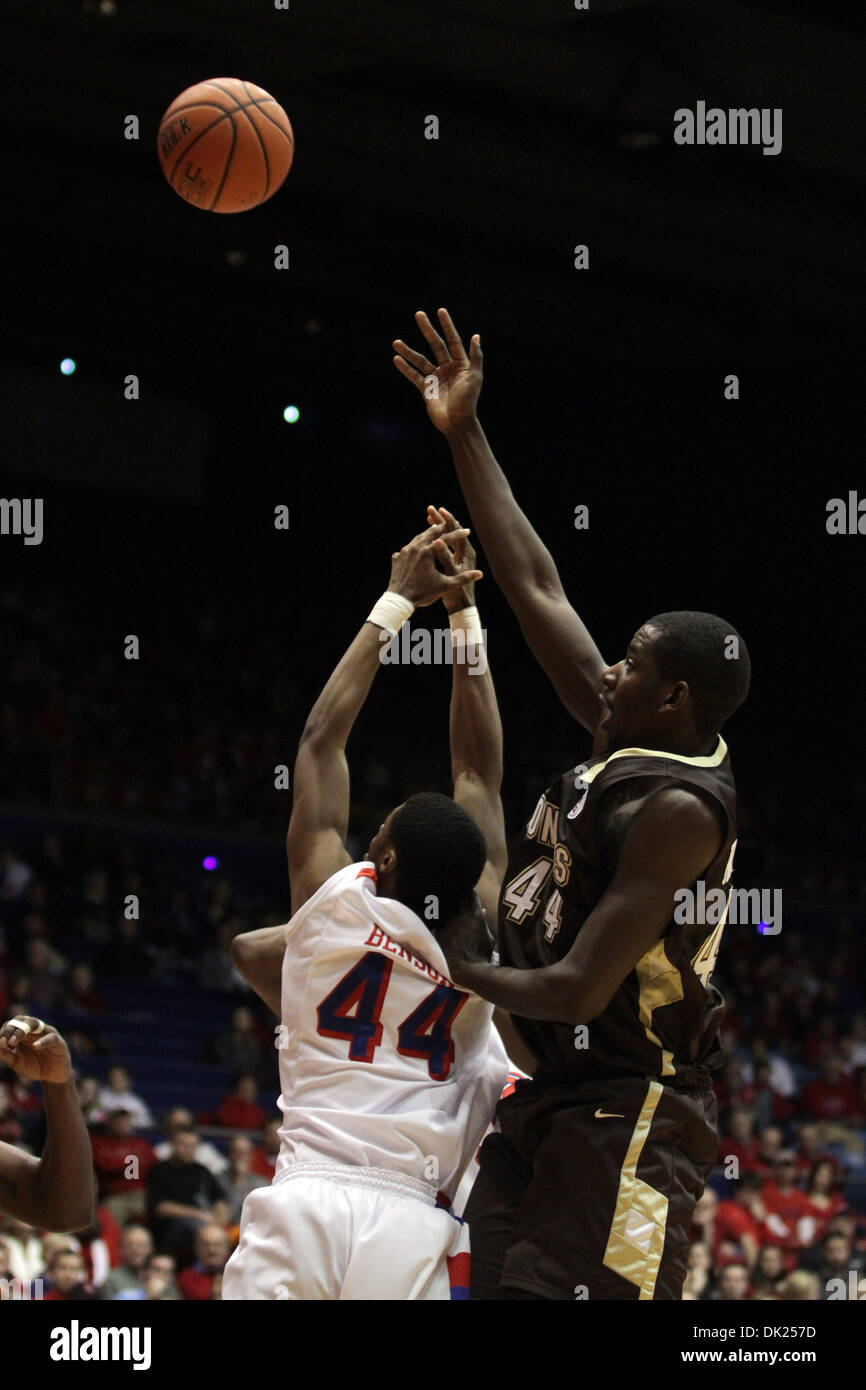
[587,1192]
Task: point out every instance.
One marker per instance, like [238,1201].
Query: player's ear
[677,696]
[387,860]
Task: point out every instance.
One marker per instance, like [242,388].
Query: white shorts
[324,1233]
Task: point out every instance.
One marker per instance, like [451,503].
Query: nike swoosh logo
[607,1115]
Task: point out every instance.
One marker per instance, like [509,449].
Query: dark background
[604,387]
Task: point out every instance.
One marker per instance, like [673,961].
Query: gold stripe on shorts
[637,1233]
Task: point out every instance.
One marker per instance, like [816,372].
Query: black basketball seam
[225,170]
[223,114]
[264,153]
[267,115]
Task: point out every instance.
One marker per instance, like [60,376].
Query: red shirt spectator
[264,1159]
[112,1152]
[203,1280]
[240,1110]
[785,1206]
[831,1096]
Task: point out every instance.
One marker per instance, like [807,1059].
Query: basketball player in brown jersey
[587,1190]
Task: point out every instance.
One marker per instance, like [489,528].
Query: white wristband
[467,618]
[391,611]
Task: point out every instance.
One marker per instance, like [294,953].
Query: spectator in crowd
[800,1287]
[122,1161]
[239,1047]
[739,1222]
[239,1180]
[81,996]
[88,1089]
[203,1279]
[206,1153]
[770,1140]
[810,1150]
[94,907]
[825,1200]
[786,1206]
[119,1095]
[264,1159]
[739,1140]
[831,1095]
[14,875]
[124,956]
[183,1195]
[733,1286]
[65,1277]
[839,1262]
[853,1045]
[160,1279]
[240,1109]
[699,1276]
[99,1245]
[136,1250]
[45,987]
[26,1254]
[216,971]
[768,1272]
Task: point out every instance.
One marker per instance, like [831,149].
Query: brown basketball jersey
[663,1021]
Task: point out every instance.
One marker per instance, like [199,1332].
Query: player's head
[429,854]
[682,676]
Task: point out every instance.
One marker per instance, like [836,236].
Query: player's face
[630,695]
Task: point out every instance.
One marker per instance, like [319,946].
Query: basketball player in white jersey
[389,1074]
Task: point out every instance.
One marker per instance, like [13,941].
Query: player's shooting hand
[467,942]
[34,1050]
[413,569]
[451,383]
[454,559]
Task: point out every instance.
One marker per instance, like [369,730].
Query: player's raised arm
[320,809]
[520,562]
[475,729]
[55,1192]
[670,842]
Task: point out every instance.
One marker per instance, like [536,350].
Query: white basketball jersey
[384,1063]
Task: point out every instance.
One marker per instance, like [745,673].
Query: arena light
[291,414]
[210,862]
[67,366]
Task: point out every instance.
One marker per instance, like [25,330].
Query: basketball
[225,145]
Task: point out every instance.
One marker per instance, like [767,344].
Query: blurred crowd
[783,1216]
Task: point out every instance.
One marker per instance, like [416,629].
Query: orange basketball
[225,145]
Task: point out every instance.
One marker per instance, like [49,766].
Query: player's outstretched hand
[451,384]
[413,569]
[466,940]
[458,558]
[34,1050]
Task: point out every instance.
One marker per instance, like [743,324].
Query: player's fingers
[415,359]
[410,373]
[425,538]
[445,557]
[440,351]
[476,356]
[453,537]
[21,1026]
[452,337]
[464,577]
[48,1038]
